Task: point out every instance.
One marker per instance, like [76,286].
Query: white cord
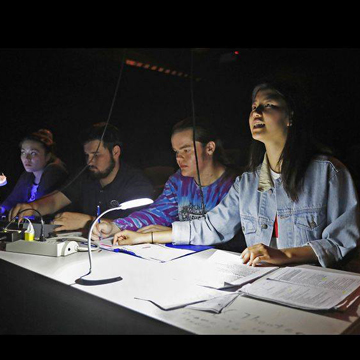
[77,239]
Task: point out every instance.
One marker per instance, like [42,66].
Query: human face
[269,118]
[182,144]
[33,156]
[100,161]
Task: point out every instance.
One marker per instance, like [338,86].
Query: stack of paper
[305,288]
[201,284]
[230,271]
[222,270]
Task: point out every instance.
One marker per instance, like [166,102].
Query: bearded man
[107,182]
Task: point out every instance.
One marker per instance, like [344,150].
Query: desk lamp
[124,206]
[3,180]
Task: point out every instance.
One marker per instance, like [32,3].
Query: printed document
[224,270]
[304,288]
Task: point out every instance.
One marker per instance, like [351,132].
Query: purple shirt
[180,201]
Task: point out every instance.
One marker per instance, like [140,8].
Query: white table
[243,316]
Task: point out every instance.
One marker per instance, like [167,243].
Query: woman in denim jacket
[294,205]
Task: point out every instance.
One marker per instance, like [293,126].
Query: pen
[124,251]
[97,214]
[84,243]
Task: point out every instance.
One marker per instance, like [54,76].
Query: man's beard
[103,174]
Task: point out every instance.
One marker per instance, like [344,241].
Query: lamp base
[84,282]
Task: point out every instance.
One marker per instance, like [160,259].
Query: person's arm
[128,237]
[72,221]
[253,255]
[219,225]
[48,204]
[53,177]
[342,233]
[164,211]
[104,229]
[339,237]
[18,193]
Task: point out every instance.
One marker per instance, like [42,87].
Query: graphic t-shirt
[33,192]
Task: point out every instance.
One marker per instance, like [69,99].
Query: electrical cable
[81,279]
[104,131]
[194,133]
[78,239]
[41,237]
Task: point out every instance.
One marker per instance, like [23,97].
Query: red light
[236,53]
[130,62]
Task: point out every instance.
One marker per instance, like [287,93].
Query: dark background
[67,89]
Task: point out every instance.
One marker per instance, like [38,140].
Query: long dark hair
[300,147]
[205,131]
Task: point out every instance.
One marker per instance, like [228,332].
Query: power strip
[51,247]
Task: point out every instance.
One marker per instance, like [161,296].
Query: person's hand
[127,237]
[104,229]
[153,228]
[253,255]
[71,221]
[19,210]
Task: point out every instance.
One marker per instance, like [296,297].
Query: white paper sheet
[177,294]
[304,288]
[155,252]
[215,305]
[224,269]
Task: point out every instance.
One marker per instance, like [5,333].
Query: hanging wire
[104,131]
[194,131]
[107,121]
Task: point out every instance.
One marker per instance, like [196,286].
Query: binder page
[304,288]
[231,271]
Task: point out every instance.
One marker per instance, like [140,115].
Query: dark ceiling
[66,89]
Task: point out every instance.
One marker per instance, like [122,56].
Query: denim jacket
[325,217]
